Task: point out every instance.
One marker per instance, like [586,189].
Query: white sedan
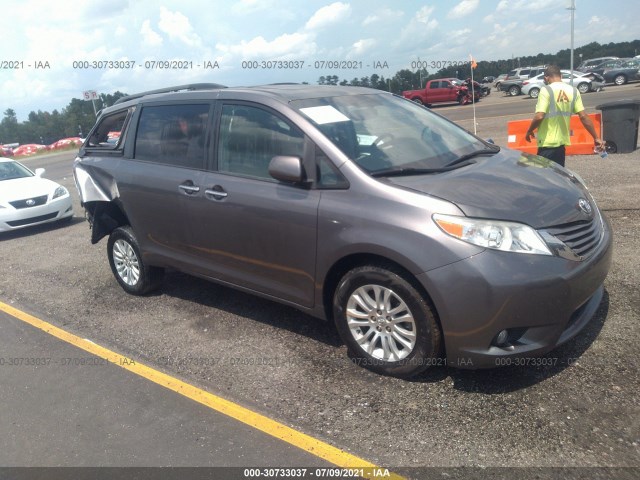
[533,85]
[28,199]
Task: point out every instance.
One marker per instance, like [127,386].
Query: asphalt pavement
[62,406]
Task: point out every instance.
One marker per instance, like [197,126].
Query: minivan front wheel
[127,266]
[387,325]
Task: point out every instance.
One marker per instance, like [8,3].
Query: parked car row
[614,70]
[591,75]
[584,84]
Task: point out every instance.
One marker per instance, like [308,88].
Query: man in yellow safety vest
[557,101]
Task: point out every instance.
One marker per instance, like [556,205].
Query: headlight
[505,236]
[60,191]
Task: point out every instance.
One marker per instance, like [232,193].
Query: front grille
[581,237]
[23,203]
[27,221]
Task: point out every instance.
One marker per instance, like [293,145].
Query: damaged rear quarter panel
[99,195]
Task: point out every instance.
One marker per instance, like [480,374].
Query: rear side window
[250,137]
[109,131]
[173,135]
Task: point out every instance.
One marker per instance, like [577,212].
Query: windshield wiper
[402,171]
[484,151]
[460,162]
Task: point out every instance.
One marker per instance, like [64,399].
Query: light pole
[573,11]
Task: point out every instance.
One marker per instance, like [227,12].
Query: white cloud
[502,5]
[177,26]
[361,46]
[384,15]
[250,6]
[501,35]
[464,8]
[149,37]
[459,37]
[513,6]
[423,14]
[284,46]
[328,15]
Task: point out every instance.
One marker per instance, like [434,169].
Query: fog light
[501,339]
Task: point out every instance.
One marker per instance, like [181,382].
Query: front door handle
[217,192]
[189,188]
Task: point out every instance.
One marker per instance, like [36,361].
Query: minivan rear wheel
[133,275]
[386,323]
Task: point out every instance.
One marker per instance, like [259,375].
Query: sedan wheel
[620,80]
[385,322]
[514,90]
[583,88]
[534,92]
[127,265]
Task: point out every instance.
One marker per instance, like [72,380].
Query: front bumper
[14,219]
[542,301]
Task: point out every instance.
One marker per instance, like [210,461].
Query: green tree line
[77,118]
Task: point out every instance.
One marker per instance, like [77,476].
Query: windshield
[381,132]
[13,170]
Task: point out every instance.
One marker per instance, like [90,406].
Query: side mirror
[287,169]
[39,172]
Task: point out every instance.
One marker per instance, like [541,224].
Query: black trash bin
[620,125]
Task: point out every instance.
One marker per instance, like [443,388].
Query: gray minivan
[418,239]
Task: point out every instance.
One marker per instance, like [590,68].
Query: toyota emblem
[584,206]
[31,202]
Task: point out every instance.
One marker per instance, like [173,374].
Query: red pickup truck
[439,91]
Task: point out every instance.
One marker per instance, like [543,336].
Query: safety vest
[553,109]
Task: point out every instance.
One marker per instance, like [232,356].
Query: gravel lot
[579,409]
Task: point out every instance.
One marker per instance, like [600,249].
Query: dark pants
[553,153]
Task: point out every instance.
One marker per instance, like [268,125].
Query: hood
[509,186]
[26,187]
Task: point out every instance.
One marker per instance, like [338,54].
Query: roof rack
[190,86]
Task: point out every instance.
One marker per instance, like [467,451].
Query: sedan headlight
[60,192]
[505,236]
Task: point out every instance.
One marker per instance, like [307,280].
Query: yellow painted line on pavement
[260,422]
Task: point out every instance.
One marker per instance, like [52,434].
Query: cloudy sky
[44,45]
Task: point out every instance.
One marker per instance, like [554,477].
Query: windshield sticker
[324,114]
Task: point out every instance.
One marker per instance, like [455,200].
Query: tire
[534,92]
[368,305]
[514,90]
[620,79]
[133,275]
[583,88]
[417,100]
